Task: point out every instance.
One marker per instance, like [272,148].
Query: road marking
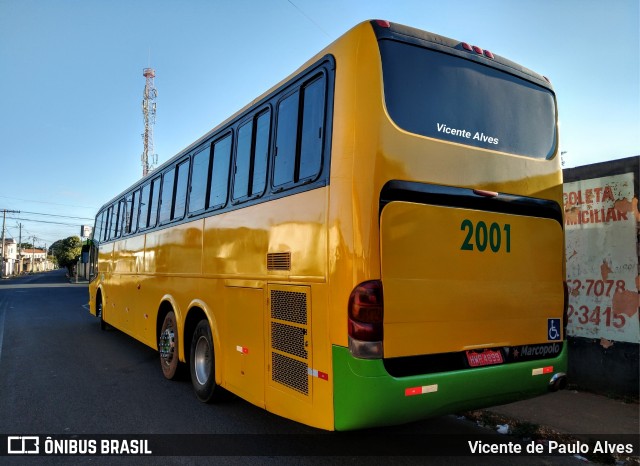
[41,285]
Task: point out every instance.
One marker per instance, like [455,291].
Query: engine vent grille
[289,305]
[279,261]
[290,372]
[290,337]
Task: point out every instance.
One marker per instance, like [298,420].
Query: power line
[44,221]
[310,19]
[45,202]
[55,215]
[30,233]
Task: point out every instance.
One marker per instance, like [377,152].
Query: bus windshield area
[444,96]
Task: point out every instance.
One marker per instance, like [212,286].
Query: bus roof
[394,31]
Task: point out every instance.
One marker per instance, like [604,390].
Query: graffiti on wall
[601,217]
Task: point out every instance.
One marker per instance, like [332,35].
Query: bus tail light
[366,311]
[476,49]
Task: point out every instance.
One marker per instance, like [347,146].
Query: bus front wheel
[103,324]
[202,364]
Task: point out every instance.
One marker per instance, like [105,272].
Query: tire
[168,346]
[103,324]
[202,365]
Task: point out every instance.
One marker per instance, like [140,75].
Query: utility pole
[20,249]
[4,218]
[33,254]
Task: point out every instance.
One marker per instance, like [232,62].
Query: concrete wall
[602,219]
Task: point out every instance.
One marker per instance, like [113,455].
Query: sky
[71,80]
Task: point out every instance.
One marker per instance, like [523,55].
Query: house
[15,262]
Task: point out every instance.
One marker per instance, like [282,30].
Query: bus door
[245,341]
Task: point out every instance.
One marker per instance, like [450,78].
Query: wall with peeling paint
[602,230]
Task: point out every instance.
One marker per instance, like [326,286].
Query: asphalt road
[61,375]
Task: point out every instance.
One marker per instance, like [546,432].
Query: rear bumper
[365,395]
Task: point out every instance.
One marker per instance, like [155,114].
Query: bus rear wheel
[202,364]
[168,346]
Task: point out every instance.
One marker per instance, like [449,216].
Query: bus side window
[299,134]
[107,224]
[126,217]
[97,231]
[243,161]
[144,206]
[312,129]
[120,218]
[261,153]
[134,211]
[220,173]
[251,157]
[153,202]
[199,180]
[113,221]
[286,140]
[182,180]
[168,181]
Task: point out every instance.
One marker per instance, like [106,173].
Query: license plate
[484,358]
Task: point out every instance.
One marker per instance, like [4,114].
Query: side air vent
[279,261]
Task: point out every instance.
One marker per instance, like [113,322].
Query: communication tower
[149,157]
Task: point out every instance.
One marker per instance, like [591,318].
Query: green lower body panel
[365,395]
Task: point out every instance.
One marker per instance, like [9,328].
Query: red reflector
[466,46]
[425,389]
[413,391]
[383,23]
[477,49]
[542,370]
[488,54]
[547,79]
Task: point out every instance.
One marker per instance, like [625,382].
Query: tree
[67,252]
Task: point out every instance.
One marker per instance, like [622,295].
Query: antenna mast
[149,157]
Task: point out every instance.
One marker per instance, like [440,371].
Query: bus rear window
[453,99]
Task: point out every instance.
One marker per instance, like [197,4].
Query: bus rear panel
[467,309]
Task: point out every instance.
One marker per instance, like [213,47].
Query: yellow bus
[375,240]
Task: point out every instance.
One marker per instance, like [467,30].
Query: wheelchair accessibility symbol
[553,329]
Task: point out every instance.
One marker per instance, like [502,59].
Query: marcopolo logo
[23,445]
[531,352]
[540,350]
